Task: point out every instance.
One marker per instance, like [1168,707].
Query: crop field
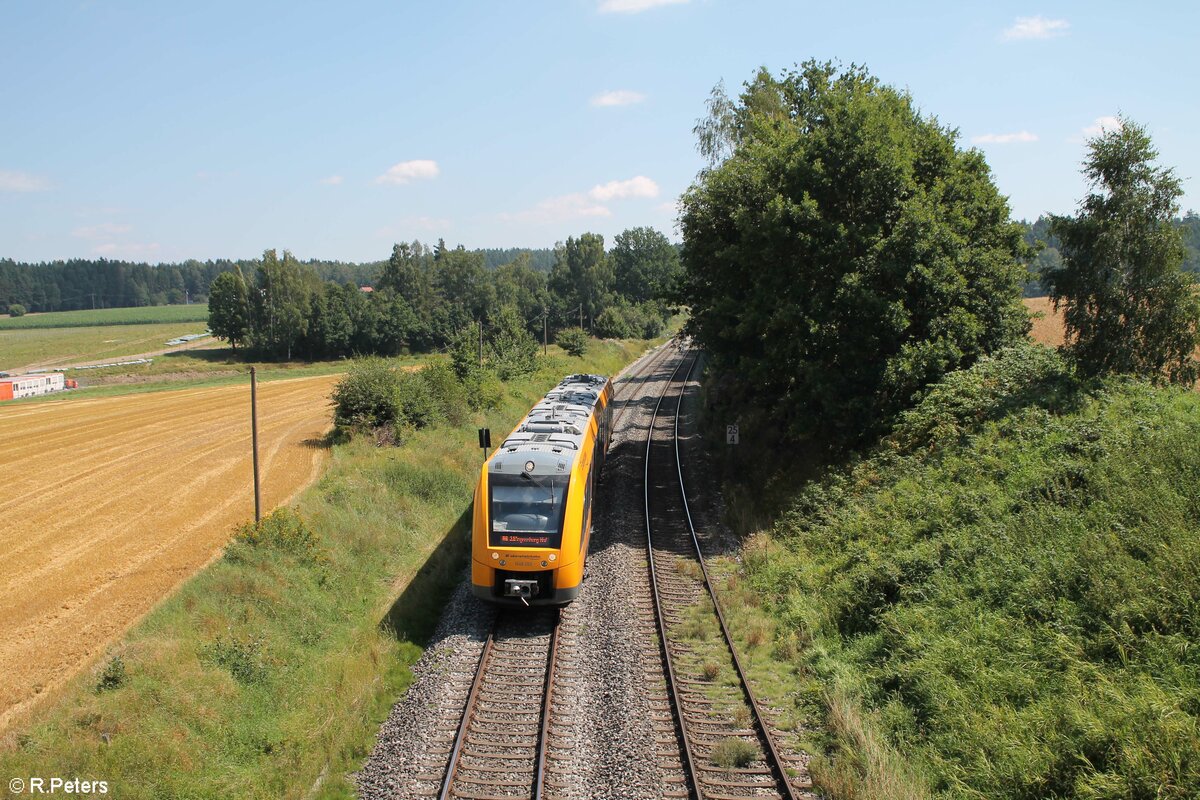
[144,315]
[1049,328]
[25,348]
[111,503]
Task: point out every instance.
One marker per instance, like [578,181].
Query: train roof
[551,434]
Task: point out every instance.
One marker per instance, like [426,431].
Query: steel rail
[689,759]
[539,775]
[469,709]
[776,761]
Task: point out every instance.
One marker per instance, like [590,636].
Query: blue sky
[158,131]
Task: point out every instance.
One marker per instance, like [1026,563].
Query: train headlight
[553,556]
[502,562]
[529,465]
[543,563]
[495,555]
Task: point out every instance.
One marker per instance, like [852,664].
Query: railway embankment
[268,673]
[999,599]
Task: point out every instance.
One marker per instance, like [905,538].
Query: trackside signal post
[485,441]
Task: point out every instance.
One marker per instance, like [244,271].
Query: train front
[523,507]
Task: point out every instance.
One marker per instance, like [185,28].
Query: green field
[144,315]
[50,347]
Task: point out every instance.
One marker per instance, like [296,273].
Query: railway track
[727,751]
[509,723]
[501,749]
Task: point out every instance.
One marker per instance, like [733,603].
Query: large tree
[645,264]
[1128,307]
[229,308]
[581,277]
[842,253]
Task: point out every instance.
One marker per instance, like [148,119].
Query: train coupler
[521,589]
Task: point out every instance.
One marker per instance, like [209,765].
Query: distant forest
[100,283]
[1037,234]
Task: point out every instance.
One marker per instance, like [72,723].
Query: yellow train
[533,504]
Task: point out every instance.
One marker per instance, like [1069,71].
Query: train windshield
[527,511]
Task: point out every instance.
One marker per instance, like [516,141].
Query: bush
[416,403]
[512,350]
[484,390]
[366,397]
[112,676]
[16,310]
[282,530]
[573,340]
[613,323]
[449,393]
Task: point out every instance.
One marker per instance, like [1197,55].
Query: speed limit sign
[731,434]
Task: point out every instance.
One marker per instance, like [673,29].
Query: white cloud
[101,231]
[22,182]
[1004,138]
[619,97]
[405,171]
[634,6]
[560,209]
[1102,124]
[1035,28]
[332,180]
[639,186]
[130,250]
[670,207]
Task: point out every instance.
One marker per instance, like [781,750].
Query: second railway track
[727,748]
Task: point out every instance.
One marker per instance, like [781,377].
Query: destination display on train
[526,539]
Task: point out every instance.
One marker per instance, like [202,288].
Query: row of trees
[101,283]
[423,298]
[841,253]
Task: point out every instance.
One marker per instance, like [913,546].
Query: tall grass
[265,675]
[1001,600]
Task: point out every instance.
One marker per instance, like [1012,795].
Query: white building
[20,386]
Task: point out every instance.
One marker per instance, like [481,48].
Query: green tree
[512,351]
[845,255]
[229,308]
[16,310]
[645,264]
[283,303]
[581,277]
[1128,307]
[573,340]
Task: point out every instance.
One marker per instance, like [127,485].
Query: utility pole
[545,334]
[581,316]
[254,442]
[481,341]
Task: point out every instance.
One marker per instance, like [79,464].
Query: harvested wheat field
[1049,328]
[109,504]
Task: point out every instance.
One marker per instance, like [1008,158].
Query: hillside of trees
[1046,249]
[423,299]
[80,283]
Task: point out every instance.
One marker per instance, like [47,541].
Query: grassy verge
[1001,600]
[266,675]
[143,315]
